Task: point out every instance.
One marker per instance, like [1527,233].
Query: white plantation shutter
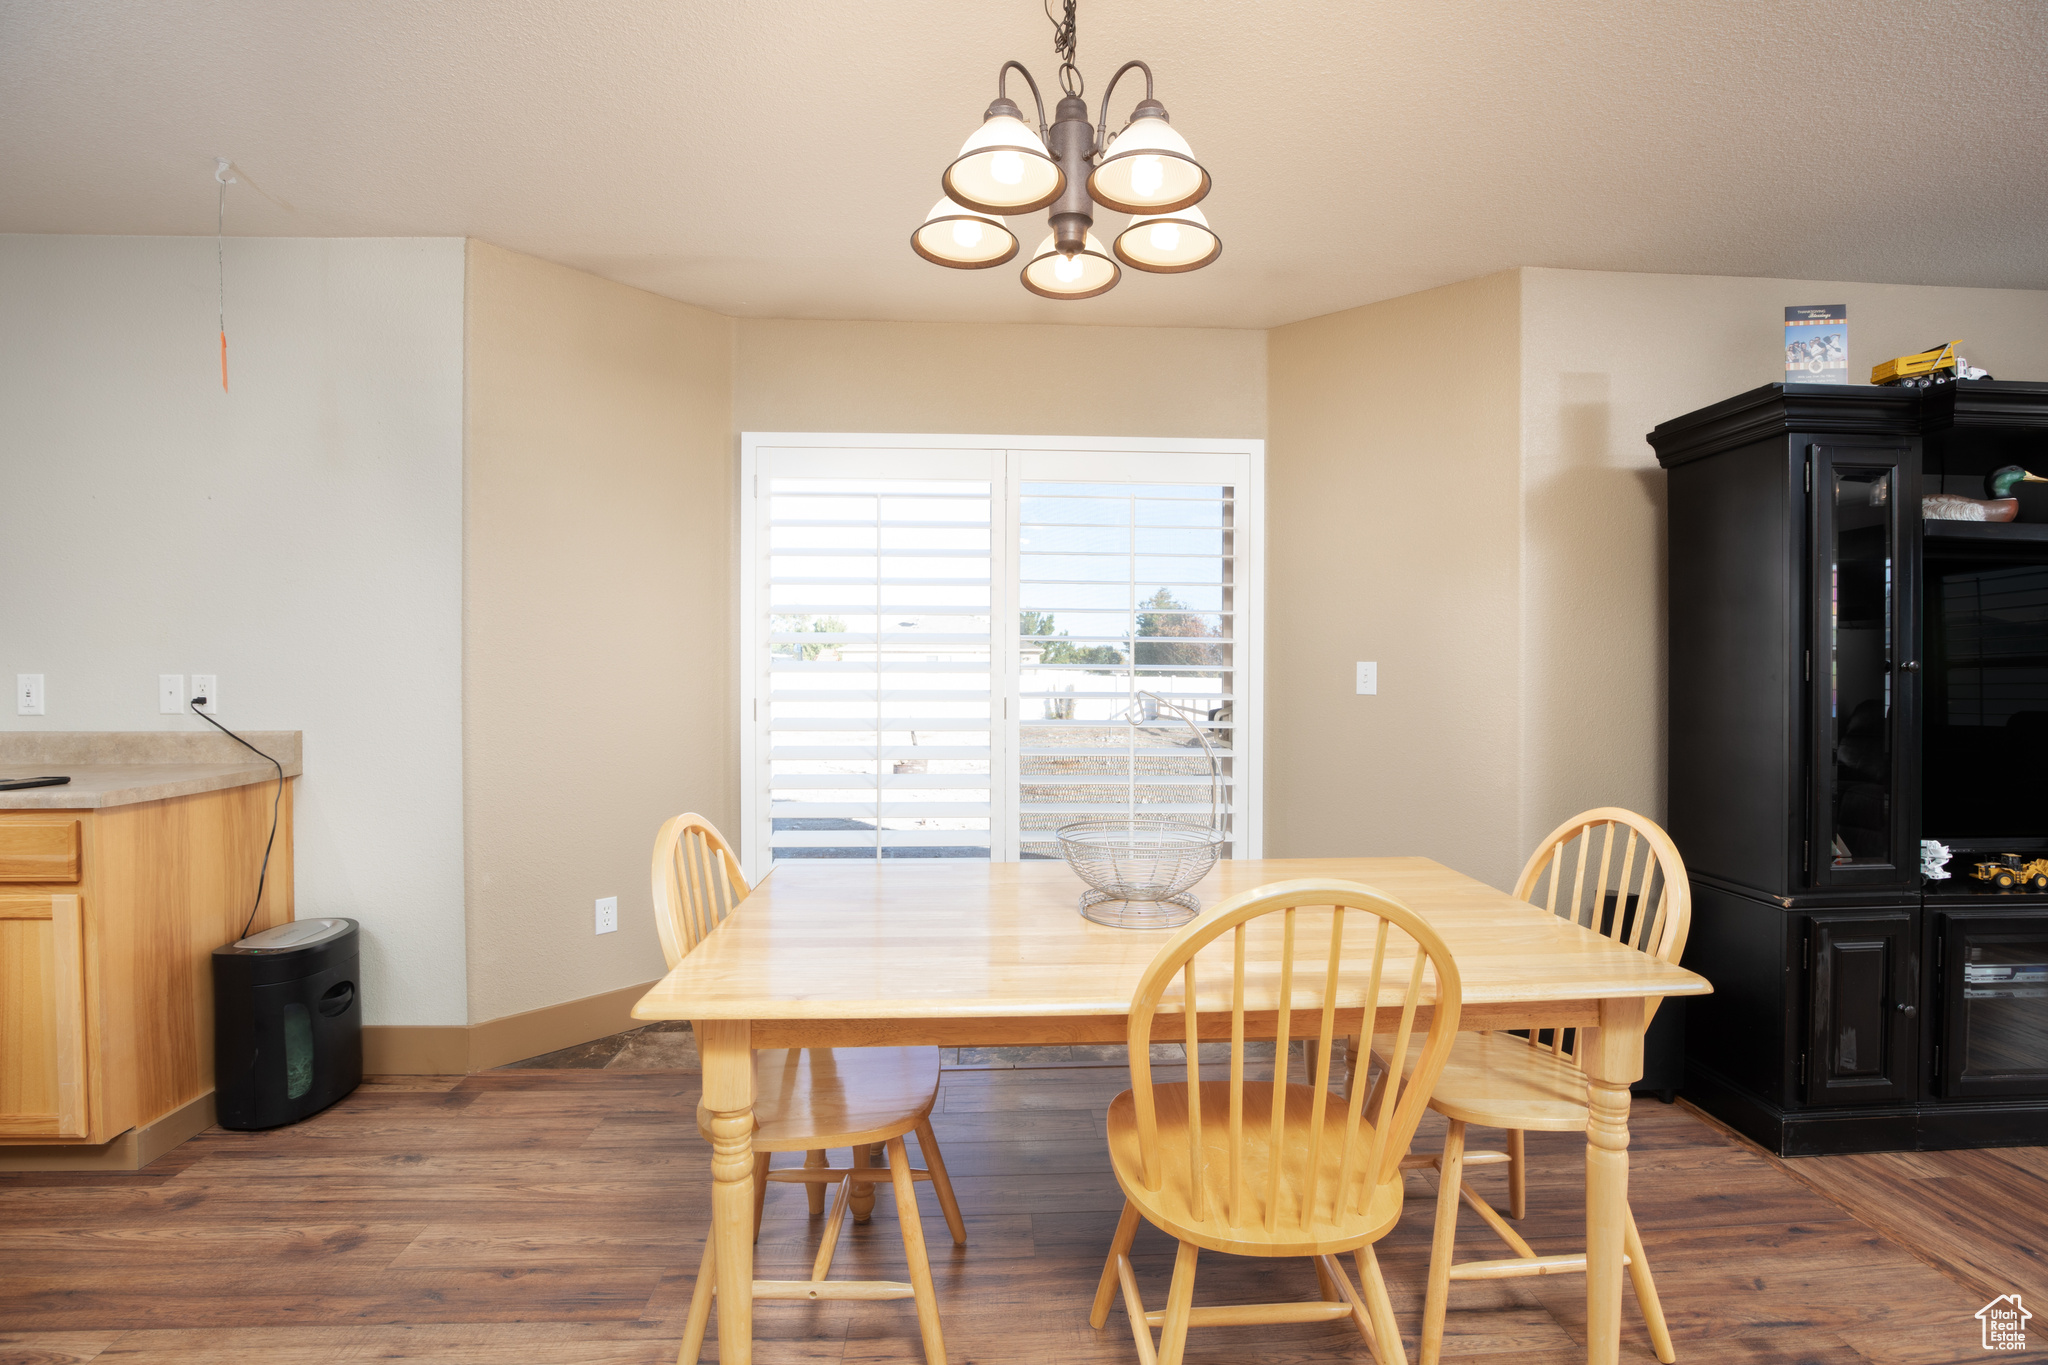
[875,653]
[1124,588]
[942,637]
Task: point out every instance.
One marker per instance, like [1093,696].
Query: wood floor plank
[444,1344]
[578,1163]
[258,1296]
[53,1348]
[383,1084]
[147,1247]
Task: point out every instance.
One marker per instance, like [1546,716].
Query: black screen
[1985,647]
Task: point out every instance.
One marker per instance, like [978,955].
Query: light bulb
[1165,236]
[967,232]
[1147,175]
[1006,168]
[1067,269]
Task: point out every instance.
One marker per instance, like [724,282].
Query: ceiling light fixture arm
[1003,95]
[1148,105]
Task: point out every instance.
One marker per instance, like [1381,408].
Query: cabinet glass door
[1862,660]
[1995,1030]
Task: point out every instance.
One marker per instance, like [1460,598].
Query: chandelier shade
[957,236]
[1083,275]
[1168,243]
[1147,169]
[1003,167]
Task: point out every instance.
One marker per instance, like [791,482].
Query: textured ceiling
[770,158]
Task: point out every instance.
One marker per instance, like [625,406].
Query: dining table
[958,953]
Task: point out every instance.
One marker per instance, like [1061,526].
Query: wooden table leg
[1612,1056]
[863,1201]
[726,1049]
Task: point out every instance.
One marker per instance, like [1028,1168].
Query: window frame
[1239,463]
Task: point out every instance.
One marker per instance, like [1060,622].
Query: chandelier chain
[1066,42]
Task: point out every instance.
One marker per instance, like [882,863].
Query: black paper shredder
[287,1023]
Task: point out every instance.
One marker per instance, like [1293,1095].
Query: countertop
[117,768]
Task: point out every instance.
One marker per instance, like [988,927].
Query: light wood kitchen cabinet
[42,1016]
[108,917]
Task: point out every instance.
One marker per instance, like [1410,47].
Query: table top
[915,939]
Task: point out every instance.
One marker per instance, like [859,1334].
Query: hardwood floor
[1979,1216]
[556,1216]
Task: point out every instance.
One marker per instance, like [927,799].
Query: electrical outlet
[206,685]
[1368,680]
[170,694]
[608,915]
[28,694]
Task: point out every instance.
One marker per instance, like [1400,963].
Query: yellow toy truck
[1939,365]
[2007,872]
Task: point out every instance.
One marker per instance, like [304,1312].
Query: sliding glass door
[952,648]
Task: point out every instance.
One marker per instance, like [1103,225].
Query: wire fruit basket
[1140,867]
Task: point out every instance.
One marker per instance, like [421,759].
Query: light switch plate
[28,694]
[608,915]
[1368,680]
[206,685]
[170,694]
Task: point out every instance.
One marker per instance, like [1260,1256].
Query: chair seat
[1499,1080]
[811,1098]
[1167,1207]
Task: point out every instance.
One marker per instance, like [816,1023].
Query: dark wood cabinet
[1846,680]
[1861,1008]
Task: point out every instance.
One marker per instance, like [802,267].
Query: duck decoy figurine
[1999,503]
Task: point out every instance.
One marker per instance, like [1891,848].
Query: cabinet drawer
[39,851]
[42,1017]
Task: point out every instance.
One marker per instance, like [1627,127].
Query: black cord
[275,801]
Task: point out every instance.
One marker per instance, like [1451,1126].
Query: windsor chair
[1500,1080]
[1265,1167]
[810,1100]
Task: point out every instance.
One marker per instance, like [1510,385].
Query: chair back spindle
[1646,906]
[697,883]
[1327,1154]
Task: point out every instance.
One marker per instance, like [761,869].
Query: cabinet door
[1994,975]
[1861,1008]
[42,1017]
[1862,665]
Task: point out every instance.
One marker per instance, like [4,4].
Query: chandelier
[1005,169]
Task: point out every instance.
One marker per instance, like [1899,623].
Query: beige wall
[299,537]
[1392,468]
[597,685]
[998,379]
[1605,357]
